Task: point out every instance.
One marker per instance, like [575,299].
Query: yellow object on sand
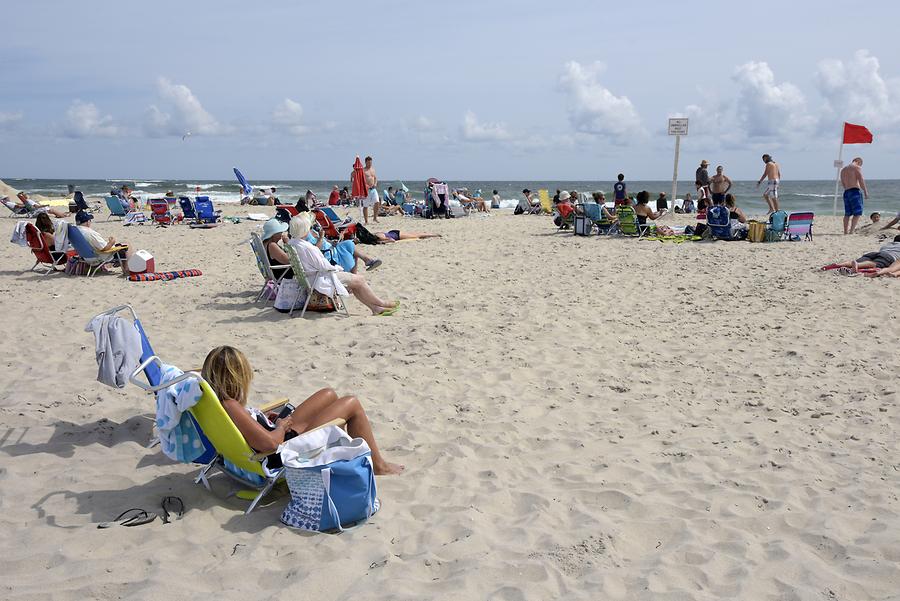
[546,203]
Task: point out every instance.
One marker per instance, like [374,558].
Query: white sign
[678,126]
[838,164]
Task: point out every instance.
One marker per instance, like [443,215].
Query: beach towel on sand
[164,276]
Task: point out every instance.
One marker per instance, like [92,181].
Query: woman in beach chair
[273,236]
[35,208]
[229,374]
[327,278]
[643,211]
[884,261]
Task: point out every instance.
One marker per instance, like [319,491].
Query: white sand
[580,419]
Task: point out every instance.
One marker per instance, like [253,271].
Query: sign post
[678,126]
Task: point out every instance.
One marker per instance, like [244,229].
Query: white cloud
[765,109]
[476,131]
[593,109]
[288,115]
[181,111]
[422,123]
[9,121]
[83,120]
[856,91]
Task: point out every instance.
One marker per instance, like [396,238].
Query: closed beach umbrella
[358,187]
[246,187]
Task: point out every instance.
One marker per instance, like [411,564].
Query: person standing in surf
[772,173]
[854,189]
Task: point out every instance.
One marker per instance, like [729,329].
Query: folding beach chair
[17,212]
[88,255]
[799,224]
[266,269]
[437,200]
[307,287]
[80,204]
[628,224]
[234,457]
[45,258]
[546,203]
[160,213]
[116,208]
[776,227]
[187,208]
[206,213]
[718,220]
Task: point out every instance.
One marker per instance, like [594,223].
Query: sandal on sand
[173,503]
[373,264]
[130,517]
[388,312]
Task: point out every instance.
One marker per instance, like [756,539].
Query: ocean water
[813,195]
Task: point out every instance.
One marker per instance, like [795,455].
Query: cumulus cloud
[180,111]
[84,120]
[593,109]
[288,115]
[422,123]
[855,90]
[474,130]
[765,109]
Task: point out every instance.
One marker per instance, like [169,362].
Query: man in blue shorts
[854,191]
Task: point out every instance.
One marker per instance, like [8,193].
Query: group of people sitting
[24,206]
[104,247]
[338,260]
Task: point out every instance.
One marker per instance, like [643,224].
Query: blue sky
[462,90]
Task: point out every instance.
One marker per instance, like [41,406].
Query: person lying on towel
[884,261]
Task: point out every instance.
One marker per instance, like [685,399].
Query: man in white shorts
[372,200]
[772,172]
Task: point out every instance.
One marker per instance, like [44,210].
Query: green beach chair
[628,222]
[304,284]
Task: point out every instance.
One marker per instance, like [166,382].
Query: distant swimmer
[854,190]
[772,173]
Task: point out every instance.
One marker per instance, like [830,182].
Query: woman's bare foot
[388,469]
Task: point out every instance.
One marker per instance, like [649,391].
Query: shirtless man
[372,200]
[719,184]
[854,189]
[773,174]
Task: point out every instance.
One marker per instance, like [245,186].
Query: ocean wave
[812,195]
[202,186]
[147,184]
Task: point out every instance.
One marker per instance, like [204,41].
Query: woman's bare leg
[415,236]
[325,405]
[360,289]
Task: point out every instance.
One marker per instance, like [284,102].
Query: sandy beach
[580,418]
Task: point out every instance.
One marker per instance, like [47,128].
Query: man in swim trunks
[772,172]
[719,184]
[372,200]
[854,189]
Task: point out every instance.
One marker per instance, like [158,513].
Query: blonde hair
[228,373]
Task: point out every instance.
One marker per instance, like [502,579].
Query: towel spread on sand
[164,276]
[178,436]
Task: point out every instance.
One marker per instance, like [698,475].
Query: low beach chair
[266,269]
[718,220]
[45,258]
[234,457]
[308,287]
[87,254]
[160,213]
[546,203]
[17,212]
[799,224]
[776,226]
[187,208]
[116,209]
[628,224]
[206,212]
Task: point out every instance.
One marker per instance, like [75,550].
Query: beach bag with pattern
[75,266]
[331,479]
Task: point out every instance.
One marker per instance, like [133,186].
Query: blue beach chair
[187,207]
[86,252]
[205,211]
[718,220]
[116,208]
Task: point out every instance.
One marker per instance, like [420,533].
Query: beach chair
[160,213]
[776,226]
[408,208]
[305,285]
[266,269]
[116,209]
[187,208]
[437,200]
[628,224]
[17,212]
[206,213]
[44,257]
[566,218]
[87,254]
[234,457]
[80,204]
[546,203]
[799,224]
[718,220]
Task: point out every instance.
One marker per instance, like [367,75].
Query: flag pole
[837,177]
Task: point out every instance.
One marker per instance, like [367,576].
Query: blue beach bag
[331,479]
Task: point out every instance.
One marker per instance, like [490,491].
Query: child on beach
[619,191]
[228,373]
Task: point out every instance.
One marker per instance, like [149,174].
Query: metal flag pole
[838,164]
